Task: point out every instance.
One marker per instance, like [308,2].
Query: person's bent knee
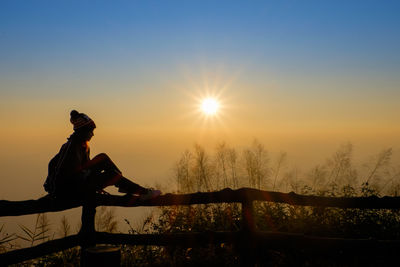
[102,156]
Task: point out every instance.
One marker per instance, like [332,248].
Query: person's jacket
[65,170]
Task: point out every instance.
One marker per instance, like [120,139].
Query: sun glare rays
[209,106]
[210,101]
[210,112]
[207,109]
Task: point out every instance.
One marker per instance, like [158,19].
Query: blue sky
[311,35]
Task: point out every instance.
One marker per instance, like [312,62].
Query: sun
[209,106]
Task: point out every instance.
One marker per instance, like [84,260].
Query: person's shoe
[127,186]
[151,193]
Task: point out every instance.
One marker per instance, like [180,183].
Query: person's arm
[70,160]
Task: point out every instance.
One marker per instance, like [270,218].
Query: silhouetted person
[72,174]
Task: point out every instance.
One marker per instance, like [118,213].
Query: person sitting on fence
[73,174]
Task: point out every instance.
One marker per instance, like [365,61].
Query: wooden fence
[247,238]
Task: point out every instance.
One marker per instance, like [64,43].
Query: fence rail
[246,196]
[47,204]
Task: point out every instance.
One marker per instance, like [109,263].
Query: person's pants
[103,173]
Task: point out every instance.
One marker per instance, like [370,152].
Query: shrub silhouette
[198,170]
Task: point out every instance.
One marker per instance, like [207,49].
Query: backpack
[49,184]
[53,168]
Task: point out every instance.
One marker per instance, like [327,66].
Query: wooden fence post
[87,232]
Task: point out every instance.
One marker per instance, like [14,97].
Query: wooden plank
[40,250]
[46,204]
[43,204]
[249,194]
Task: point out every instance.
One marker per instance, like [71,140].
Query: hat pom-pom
[74,114]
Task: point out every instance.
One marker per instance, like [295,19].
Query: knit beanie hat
[80,120]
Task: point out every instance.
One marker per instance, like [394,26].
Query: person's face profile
[89,134]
